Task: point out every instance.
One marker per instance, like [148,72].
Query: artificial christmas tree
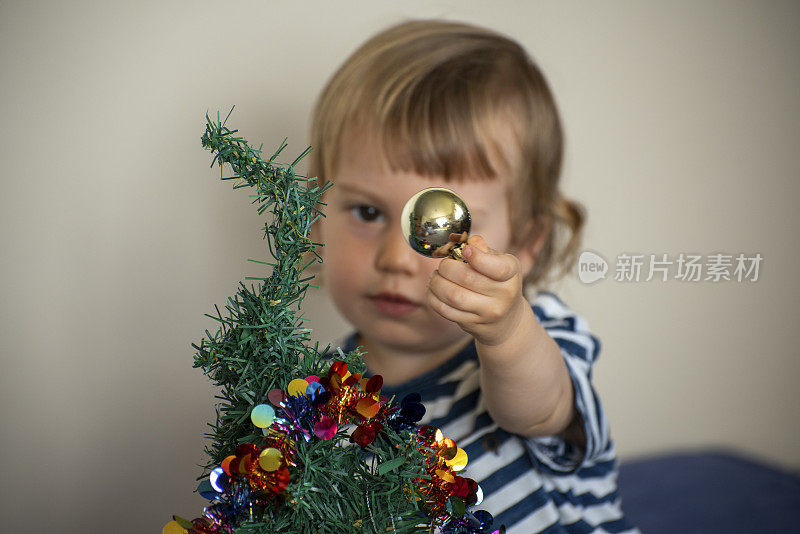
[303,442]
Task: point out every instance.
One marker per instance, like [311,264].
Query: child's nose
[395,254]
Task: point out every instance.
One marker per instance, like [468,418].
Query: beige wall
[682,122]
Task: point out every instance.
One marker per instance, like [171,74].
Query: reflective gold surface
[436,223]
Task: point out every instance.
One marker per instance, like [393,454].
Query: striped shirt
[540,484]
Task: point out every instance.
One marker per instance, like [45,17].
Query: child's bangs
[448,132]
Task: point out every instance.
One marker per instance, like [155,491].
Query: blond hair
[439,97]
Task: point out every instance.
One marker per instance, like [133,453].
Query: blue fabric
[707,493]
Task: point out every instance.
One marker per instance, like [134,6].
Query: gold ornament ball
[436,222]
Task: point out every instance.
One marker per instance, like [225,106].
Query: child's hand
[483,296]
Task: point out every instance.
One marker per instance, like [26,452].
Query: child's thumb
[479,243]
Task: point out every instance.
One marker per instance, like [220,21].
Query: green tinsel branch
[262,344]
[262,340]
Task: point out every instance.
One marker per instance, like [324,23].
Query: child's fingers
[449,312]
[465,276]
[456,296]
[499,267]
[478,241]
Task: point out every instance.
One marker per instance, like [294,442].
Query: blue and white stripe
[538,484]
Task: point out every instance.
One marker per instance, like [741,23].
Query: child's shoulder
[546,294]
[341,346]
[548,306]
[569,329]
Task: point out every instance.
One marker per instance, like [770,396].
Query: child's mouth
[393,305]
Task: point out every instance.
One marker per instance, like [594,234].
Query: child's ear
[530,242]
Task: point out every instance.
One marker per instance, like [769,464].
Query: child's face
[377,282]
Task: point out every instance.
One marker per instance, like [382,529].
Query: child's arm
[524,379]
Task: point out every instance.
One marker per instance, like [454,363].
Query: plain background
[682,124]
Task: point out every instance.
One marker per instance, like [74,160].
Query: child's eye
[366,213]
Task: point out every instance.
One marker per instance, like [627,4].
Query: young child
[437,103]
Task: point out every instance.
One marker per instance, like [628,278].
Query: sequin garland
[255,478]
